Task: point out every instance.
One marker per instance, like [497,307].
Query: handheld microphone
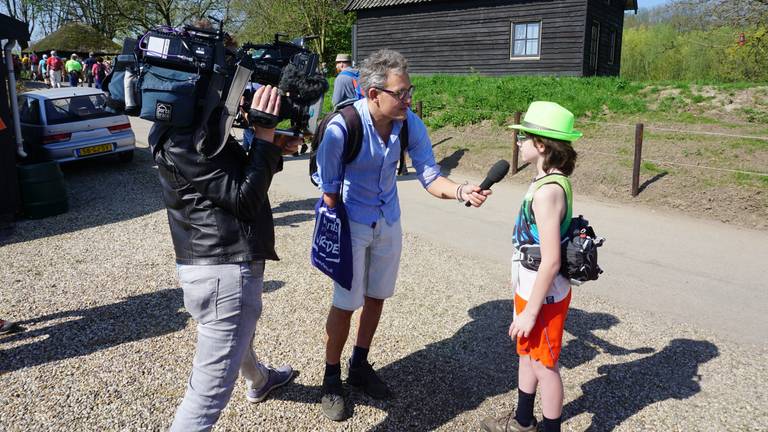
[497,172]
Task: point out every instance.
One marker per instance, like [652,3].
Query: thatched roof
[76,38]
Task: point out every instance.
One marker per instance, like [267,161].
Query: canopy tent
[18,31]
[76,38]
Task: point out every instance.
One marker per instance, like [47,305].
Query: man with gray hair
[370,199]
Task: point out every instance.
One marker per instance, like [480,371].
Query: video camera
[188,77]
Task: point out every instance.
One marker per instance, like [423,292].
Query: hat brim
[564,136]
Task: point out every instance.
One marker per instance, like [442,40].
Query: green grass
[745,179]
[461,100]
[651,168]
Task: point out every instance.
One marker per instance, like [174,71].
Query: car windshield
[76,108]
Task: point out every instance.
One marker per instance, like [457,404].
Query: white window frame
[512,55]
[614,38]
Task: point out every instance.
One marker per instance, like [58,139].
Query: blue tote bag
[332,243]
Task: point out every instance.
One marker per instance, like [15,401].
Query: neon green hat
[550,120]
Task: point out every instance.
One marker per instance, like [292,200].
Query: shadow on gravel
[587,346]
[446,378]
[100,192]
[624,389]
[82,332]
[456,375]
[306,207]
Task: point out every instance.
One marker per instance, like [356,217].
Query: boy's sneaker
[332,401]
[367,379]
[277,377]
[506,422]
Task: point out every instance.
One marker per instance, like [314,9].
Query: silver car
[67,124]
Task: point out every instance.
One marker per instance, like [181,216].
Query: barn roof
[354,5]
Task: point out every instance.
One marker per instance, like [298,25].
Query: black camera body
[187,76]
[294,70]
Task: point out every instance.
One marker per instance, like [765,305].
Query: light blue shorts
[375,260]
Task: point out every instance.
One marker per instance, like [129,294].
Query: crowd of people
[52,69]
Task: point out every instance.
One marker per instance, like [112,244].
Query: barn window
[594,42]
[526,39]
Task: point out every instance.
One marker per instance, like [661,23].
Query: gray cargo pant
[225,300]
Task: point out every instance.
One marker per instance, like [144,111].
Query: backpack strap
[402,168]
[354,139]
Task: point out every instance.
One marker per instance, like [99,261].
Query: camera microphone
[497,172]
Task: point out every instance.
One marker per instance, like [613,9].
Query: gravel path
[109,345]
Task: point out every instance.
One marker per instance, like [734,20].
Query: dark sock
[524,412]
[331,370]
[359,356]
[552,425]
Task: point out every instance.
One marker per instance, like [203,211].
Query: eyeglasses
[402,95]
[521,139]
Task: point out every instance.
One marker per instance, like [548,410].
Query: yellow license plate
[92,150]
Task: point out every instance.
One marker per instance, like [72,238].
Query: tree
[323,18]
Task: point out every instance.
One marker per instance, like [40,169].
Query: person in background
[33,65]
[74,68]
[24,66]
[55,67]
[99,72]
[43,69]
[88,69]
[346,87]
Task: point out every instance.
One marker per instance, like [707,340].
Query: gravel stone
[109,345]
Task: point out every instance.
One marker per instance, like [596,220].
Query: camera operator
[222,230]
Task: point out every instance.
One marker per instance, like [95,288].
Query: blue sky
[651,3]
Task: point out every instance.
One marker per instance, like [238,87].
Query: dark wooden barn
[495,37]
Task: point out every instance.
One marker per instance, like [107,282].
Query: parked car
[67,124]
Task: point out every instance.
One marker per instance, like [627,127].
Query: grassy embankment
[467,114]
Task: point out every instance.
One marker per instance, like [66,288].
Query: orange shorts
[546,338]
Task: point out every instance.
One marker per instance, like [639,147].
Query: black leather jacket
[218,208]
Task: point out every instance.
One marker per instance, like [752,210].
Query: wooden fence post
[419,107]
[515,148]
[638,159]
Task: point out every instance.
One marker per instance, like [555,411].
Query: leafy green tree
[261,19]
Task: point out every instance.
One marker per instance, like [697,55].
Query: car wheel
[125,156]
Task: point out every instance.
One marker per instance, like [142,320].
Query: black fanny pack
[578,253]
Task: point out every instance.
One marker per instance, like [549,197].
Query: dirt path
[696,271]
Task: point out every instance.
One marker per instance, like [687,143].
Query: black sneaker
[332,401]
[365,377]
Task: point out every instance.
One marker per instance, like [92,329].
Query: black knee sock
[552,425]
[331,370]
[359,356]
[524,412]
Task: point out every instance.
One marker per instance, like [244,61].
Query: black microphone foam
[497,172]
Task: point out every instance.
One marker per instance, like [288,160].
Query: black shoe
[332,401]
[365,377]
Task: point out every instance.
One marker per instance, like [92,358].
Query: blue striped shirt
[370,190]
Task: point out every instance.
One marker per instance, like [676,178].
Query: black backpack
[354,138]
[578,253]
